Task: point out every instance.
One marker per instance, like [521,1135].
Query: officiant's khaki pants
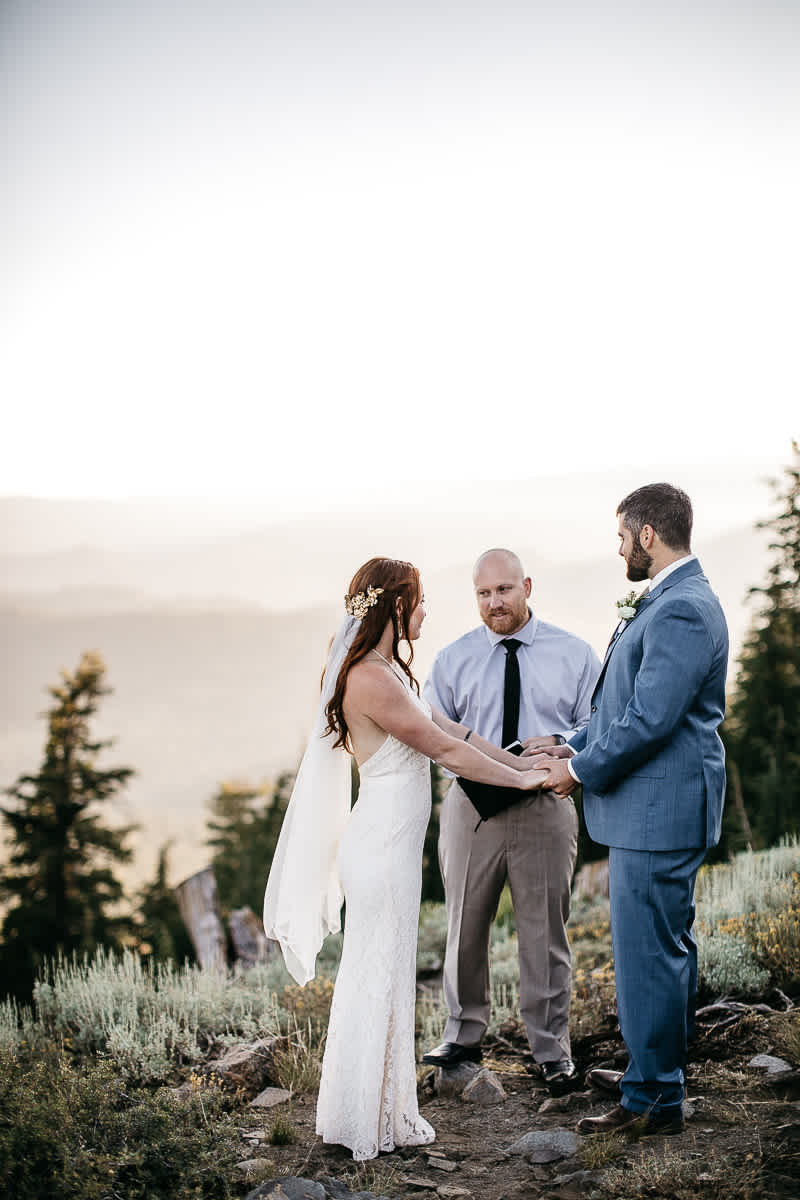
[532,845]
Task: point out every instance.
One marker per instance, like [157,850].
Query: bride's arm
[373,691]
[480,743]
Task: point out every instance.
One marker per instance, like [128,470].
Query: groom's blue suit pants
[655,965]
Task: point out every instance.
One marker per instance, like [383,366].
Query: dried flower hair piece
[356,606]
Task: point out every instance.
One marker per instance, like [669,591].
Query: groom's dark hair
[666,508]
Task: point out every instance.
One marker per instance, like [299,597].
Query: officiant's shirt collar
[526,634]
[673,566]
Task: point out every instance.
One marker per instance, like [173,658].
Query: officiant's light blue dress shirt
[557,670]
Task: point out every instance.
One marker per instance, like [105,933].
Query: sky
[319,252]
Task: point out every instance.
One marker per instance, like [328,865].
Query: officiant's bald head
[502,590]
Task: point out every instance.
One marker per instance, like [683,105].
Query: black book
[487,798]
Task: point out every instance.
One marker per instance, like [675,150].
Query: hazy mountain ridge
[214,686]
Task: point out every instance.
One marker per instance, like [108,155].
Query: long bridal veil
[303,900]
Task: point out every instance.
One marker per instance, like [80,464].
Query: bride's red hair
[400,582]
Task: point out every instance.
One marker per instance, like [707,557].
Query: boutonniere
[628,606]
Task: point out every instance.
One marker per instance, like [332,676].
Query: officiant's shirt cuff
[572,771]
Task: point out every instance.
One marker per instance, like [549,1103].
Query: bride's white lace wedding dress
[368,1091]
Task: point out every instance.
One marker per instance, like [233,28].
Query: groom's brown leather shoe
[622,1119]
[605,1081]
[450,1054]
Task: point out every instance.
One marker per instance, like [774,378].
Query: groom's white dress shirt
[558,672]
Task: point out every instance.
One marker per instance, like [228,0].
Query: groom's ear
[646,536]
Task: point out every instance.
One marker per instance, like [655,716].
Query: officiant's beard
[638,563]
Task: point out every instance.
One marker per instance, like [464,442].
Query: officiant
[514,679]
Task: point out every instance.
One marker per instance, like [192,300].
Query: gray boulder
[485,1088]
[293,1187]
[245,1067]
[546,1145]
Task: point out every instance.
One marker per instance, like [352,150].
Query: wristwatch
[560,739]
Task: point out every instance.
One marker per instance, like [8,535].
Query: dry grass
[282,1132]
[786,1031]
[599,1151]
[674,1175]
[297,1061]
[378,1176]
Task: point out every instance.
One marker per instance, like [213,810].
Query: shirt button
[594,708]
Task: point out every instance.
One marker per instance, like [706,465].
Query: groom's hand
[549,752]
[559,779]
[532,744]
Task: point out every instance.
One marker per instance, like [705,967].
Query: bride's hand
[536,760]
[550,752]
[533,779]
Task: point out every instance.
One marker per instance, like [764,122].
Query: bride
[370,708]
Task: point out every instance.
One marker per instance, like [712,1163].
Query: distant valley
[214,650]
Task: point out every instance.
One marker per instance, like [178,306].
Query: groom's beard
[639,563]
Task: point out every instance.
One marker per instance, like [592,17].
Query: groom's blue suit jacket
[650,760]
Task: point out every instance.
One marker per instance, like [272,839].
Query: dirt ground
[742,1136]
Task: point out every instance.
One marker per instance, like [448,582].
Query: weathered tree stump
[197,901]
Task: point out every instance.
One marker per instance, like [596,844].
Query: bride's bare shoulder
[367,677]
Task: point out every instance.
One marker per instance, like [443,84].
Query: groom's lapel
[645,599]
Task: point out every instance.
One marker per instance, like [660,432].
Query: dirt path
[742,1136]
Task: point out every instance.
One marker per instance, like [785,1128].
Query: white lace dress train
[368,1091]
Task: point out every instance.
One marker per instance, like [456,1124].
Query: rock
[485,1088]
[448,1192]
[442,1164]
[451,1081]
[417,1181]
[546,1145]
[580,1179]
[244,1067]
[270,1097]
[337,1190]
[255,1168]
[773,1066]
[249,941]
[292,1187]
[561,1104]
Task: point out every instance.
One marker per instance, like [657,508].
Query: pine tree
[160,931]
[762,730]
[244,827]
[59,882]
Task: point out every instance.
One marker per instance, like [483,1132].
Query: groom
[652,767]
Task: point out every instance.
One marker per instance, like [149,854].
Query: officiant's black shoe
[605,1081]
[622,1120]
[560,1077]
[450,1054]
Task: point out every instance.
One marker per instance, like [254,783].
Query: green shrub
[728,965]
[432,935]
[775,940]
[754,881]
[748,928]
[148,1019]
[72,1132]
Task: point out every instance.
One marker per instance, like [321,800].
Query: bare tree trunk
[738,802]
[197,900]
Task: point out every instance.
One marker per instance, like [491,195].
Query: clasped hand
[554,761]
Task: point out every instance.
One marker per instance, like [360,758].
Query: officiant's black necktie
[511,692]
